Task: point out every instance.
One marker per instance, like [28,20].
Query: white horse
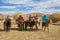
[38,21]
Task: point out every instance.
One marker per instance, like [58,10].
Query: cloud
[8,7]
[26,6]
[16,1]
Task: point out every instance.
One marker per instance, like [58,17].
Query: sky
[29,6]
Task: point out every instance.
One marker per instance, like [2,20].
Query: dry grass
[54,34]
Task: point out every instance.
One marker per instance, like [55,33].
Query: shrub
[1,19]
[55,17]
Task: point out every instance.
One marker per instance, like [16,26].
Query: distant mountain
[1,15]
[34,14]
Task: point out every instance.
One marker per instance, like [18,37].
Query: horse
[45,25]
[30,24]
[7,26]
[38,21]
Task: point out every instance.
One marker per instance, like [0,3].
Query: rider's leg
[23,26]
[36,26]
[44,24]
[9,27]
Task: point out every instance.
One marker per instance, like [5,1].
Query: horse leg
[36,27]
[4,27]
[31,28]
[19,26]
[25,26]
[47,27]
[7,29]
[39,23]
[44,28]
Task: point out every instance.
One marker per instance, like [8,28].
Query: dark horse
[30,24]
[27,23]
[7,26]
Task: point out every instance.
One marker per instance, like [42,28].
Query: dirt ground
[14,34]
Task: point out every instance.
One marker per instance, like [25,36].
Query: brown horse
[30,24]
[45,25]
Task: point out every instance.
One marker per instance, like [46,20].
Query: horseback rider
[30,18]
[7,24]
[21,19]
[20,22]
[36,18]
[45,20]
